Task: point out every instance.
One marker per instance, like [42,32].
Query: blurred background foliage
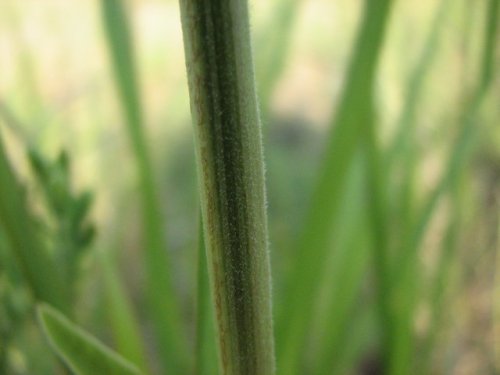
[63,132]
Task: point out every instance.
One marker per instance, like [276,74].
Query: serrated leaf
[83,353]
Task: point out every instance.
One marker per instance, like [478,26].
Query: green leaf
[84,354]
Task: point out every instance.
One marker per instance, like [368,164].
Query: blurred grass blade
[344,275]
[404,274]
[37,266]
[377,199]
[405,127]
[161,296]
[80,351]
[451,238]
[349,282]
[359,333]
[345,136]
[272,45]
[403,150]
[206,343]
[126,332]
[439,284]
[496,296]
[467,135]
[379,171]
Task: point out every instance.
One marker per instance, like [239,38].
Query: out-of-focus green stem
[404,274]
[273,43]
[122,319]
[313,244]
[161,296]
[231,179]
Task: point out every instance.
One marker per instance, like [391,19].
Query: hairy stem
[231,177]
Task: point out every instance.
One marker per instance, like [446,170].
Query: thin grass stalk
[403,146]
[345,274]
[467,136]
[301,290]
[439,284]
[405,272]
[377,199]
[161,297]
[496,295]
[273,43]
[122,319]
[206,349]
[357,339]
[403,150]
[231,179]
[405,128]
[38,268]
[350,280]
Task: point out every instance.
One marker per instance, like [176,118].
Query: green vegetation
[370,245]
[83,353]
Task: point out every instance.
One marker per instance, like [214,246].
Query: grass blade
[273,42]
[403,153]
[461,149]
[405,274]
[80,351]
[496,298]
[231,179]
[206,350]
[126,332]
[376,194]
[161,296]
[439,285]
[340,148]
[406,123]
[344,275]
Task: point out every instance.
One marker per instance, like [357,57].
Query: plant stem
[206,352]
[323,212]
[161,296]
[231,178]
[405,274]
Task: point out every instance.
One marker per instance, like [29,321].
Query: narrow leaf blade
[84,354]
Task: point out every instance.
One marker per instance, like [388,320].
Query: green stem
[161,296]
[231,177]
[405,274]
[378,223]
[206,353]
[316,235]
[273,44]
[126,330]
